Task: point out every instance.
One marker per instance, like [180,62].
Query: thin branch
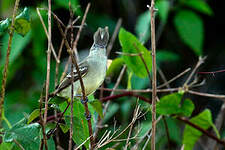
[5,72]
[41,120]
[199,63]
[72,77]
[144,91]
[113,38]
[105,99]
[46,33]
[186,121]
[17,143]
[154,73]
[174,78]
[221,97]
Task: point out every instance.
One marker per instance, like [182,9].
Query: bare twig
[17,143]
[143,91]
[72,77]
[154,73]
[41,120]
[113,38]
[174,78]
[5,72]
[221,97]
[105,99]
[46,33]
[199,63]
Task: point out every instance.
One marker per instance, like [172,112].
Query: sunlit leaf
[80,124]
[22,22]
[142,27]
[191,135]
[130,44]
[97,105]
[34,115]
[199,5]
[191,30]
[170,104]
[115,66]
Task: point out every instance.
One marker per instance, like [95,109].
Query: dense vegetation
[189,109]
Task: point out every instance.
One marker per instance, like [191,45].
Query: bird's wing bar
[68,79]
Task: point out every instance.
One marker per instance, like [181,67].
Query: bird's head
[101,37]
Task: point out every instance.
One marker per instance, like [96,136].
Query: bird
[92,69]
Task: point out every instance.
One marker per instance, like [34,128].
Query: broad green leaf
[97,105]
[163,7]
[166,56]
[22,22]
[64,128]
[34,115]
[191,135]
[199,5]
[6,146]
[16,49]
[4,24]
[142,27]
[80,122]
[130,44]
[170,104]
[115,66]
[190,28]
[144,128]
[26,135]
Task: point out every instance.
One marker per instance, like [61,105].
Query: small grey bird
[92,68]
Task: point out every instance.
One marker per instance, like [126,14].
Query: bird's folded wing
[68,79]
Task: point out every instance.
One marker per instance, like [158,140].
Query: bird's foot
[88,116]
[84,101]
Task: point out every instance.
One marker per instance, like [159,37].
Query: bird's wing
[83,67]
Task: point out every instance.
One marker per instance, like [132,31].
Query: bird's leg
[83,101]
[88,116]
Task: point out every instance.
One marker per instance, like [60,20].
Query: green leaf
[34,115]
[65,128]
[170,104]
[191,30]
[163,9]
[26,135]
[6,146]
[130,44]
[97,105]
[166,56]
[16,49]
[4,24]
[191,135]
[142,27]
[199,5]
[80,124]
[22,22]
[115,66]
